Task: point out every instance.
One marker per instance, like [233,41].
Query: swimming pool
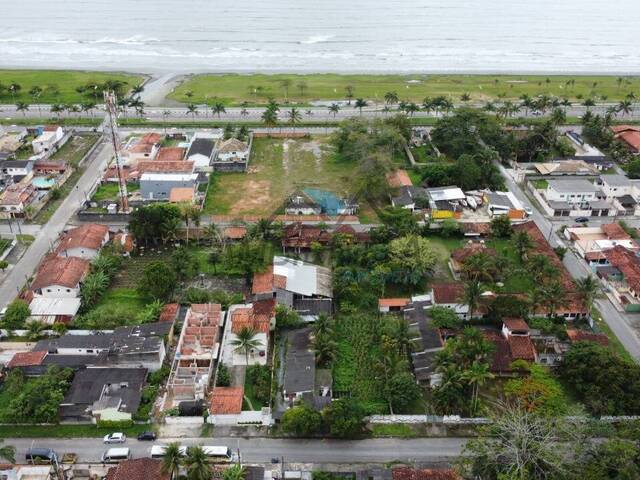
[43,183]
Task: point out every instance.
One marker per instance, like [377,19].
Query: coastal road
[620,323]
[47,235]
[262,450]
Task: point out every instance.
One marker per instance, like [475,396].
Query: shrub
[260,377]
[223,379]
[16,314]
[115,424]
[301,420]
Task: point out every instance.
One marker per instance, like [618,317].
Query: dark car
[147,436]
[582,219]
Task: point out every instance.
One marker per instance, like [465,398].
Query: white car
[115,438]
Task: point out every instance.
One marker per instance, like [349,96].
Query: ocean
[546,36]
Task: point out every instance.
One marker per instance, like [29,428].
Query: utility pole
[111,105]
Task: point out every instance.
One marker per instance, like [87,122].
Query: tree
[443,317]
[223,378]
[285,83]
[150,312]
[472,295]
[192,110]
[158,281]
[411,259]
[287,318]
[14,88]
[22,107]
[301,420]
[522,243]
[269,118]
[16,314]
[350,92]
[245,342]
[92,289]
[391,98]
[302,86]
[614,459]
[248,257]
[234,472]
[294,117]
[587,288]
[154,223]
[4,265]
[360,104]
[551,295]
[8,452]
[401,390]
[479,266]
[197,464]
[537,392]
[345,418]
[218,109]
[334,108]
[184,263]
[476,376]
[449,228]
[325,348]
[501,226]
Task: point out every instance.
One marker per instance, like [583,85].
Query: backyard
[233,89]
[278,168]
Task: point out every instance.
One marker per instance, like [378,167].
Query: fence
[247,417]
[457,420]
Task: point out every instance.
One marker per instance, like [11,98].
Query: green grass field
[59,86]
[233,89]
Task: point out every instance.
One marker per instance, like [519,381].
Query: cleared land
[277,168]
[233,89]
[58,86]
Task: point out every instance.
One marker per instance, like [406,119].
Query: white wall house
[48,139]
[571,191]
[614,186]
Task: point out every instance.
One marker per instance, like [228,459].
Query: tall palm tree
[625,106]
[587,288]
[197,464]
[22,107]
[294,117]
[476,376]
[465,97]
[472,293]
[478,267]
[522,243]
[391,98]
[325,348]
[34,330]
[552,295]
[172,460]
[56,109]
[334,108]
[412,108]
[246,341]
[192,109]
[35,93]
[350,92]
[14,88]
[212,232]
[285,83]
[218,109]
[360,104]
[165,115]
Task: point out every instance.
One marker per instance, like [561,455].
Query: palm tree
[246,341]
[192,109]
[14,88]
[172,460]
[34,330]
[269,118]
[323,325]
[285,83]
[412,108]
[88,107]
[165,115]
[8,452]
[619,81]
[294,117]
[479,267]
[360,104]
[325,348]
[522,243]
[187,214]
[235,472]
[625,106]
[391,98]
[22,107]
[350,89]
[552,295]
[93,288]
[218,109]
[334,108]
[589,102]
[587,288]
[302,86]
[472,293]
[56,109]
[558,116]
[197,464]
[465,97]
[476,376]
[35,93]
[137,90]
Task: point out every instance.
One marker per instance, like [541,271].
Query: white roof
[167,177]
[54,306]
[446,193]
[303,278]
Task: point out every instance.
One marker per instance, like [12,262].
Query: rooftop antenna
[111,106]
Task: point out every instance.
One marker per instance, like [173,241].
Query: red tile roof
[399,178]
[87,236]
[155,166]
[27,359]
[628,263]
[393,302]
[170,154]
[475,228]
[515,324]
[234,233]
[169,312]
[470,249]
[614,231]
[248,318]
[582,336]
[521,348]
[267,282]
[138,469]
[501,362]
[448,292]
[226,400]
[629,135]
[406,473]
[64,271]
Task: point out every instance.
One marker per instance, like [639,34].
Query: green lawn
[110,191]
[233,89]
[76,148]
[517,281]
[540,184]
[59,86]
[443,248]
[277,168]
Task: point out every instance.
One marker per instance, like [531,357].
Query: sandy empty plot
[256,194]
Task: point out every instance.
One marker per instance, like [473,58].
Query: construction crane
[111,105]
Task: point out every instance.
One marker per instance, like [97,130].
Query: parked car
[147,436]
[528,211]
[582,219]
[116,437]
[37,456]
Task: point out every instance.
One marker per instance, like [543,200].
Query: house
[16,198]
[138,469]
[504,203]
[460,255]
[50,167]
[201,152]
[300,366]
[386,305]
[299,236]
[232,155]
[166,167]
[49,140]
[410,197]
[84,241]
[27,472]
[445,202]
[50,310]
[234,233]
[60,277]
[571,191]
[559,168]
[158,186]
[621,276]
[511,344]
[450,295]
[428,341]
[399,178]
[97,394]
[591,242]
[582,148]
[301,204]
[260,317]
[17,169]
[196,353]
[296,284]
[226,401]
[170,154]
[145,148]
[584,336]
[622,192]
[330,203]
[629,135]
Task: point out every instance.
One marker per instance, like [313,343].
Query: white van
[116,455]
[158,451]
[219,454]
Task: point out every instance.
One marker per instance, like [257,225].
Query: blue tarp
[328,201]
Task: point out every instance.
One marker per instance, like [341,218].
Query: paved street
[45,236]
[262,450]
[619,323]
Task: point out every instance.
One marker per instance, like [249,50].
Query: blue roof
[328,201]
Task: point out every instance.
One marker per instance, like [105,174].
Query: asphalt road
[46,236]
[262,450]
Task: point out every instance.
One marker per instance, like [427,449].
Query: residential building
[428,341]
[460,255]
[299,285]
[226,400]
[591,242]
[231,155]
[50,310]
[27,472]
[300,366]
[196,354]
[399,178]
[410,197]
[17,169]
[170,154]
[158,186]
[450,295]
[138,469]
[571,191]
[234,233]
[144,148]
[622,192]
[201,152]
[84,241]
[167,167]
[260,317]
[97,394]
[387,305]
[445,202]
[50,167]
[511,344]
[569,167]
[301,204]
[629,135]
[583,149]
[60,277]
[49,140]
[621,276]
[504,203]
[16,198]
